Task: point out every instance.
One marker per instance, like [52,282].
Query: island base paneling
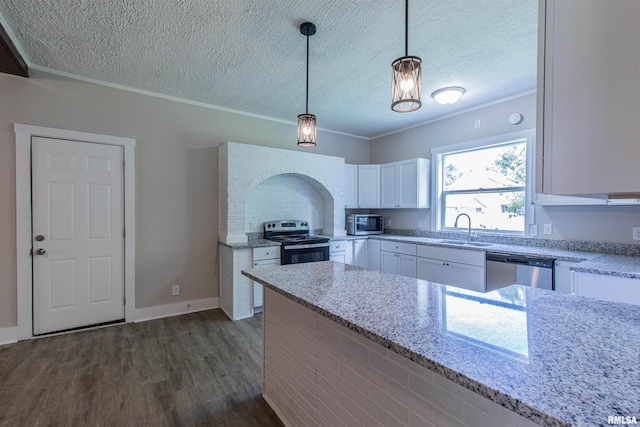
[319,373]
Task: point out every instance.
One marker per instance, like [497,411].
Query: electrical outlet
[477,124]
[533,229]
[636,233]
[175,290]
[548,229]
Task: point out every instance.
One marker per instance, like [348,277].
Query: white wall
[590,223]
[177,196]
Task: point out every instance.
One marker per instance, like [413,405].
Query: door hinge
[124,232]
[124,165]
[124,300]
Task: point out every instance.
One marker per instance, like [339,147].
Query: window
[488,180]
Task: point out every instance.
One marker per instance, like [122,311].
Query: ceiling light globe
[448,95]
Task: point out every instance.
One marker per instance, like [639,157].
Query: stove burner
[291,232]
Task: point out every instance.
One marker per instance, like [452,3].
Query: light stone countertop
[588,262]
[556,359]
[254,243]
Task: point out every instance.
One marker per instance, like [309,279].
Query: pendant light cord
[306,107]
[406,29]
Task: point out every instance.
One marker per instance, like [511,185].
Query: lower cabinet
[359,253]
[404,265]
[239,295]
[373,254]
[263,257]
[563,277]
[608,288]
[453,267]
[340,251]
[398,258]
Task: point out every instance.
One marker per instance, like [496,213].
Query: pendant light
[306,121]
[406,85]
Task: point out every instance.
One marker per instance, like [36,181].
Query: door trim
[23,217]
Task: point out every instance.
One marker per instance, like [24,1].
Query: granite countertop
[556,359]
[588,262]
[253,243]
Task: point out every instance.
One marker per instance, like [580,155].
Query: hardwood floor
[198,369]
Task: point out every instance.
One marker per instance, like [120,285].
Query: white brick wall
[283,197]
[319,373]
[244,167]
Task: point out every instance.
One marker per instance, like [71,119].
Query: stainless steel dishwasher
[509,269]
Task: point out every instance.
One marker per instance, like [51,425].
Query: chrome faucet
[455,224]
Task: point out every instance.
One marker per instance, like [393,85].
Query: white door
[78,234]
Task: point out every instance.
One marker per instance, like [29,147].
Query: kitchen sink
[464,243]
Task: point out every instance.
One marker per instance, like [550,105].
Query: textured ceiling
[248,55]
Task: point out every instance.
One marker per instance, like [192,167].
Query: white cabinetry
[405,184]
[359,256]
[350,186]
[588,97]
[368,186]
[362,186]
[563,277]
[239,295]
[398,258]
[340,251]
[373,254]
[454,267]
[608,288]
[263,257]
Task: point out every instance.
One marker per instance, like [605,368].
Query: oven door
[296,254]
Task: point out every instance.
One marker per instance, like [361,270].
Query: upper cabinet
[405,184]
[362,186]
[350,186]
[368,186]
[588,136]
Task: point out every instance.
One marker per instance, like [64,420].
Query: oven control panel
[286,225]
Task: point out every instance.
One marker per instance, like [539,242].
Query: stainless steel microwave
[360,224]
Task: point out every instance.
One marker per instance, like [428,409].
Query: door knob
[40,251]
[39,237]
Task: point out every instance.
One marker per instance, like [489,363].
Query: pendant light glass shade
[406,84]
[307,130]
[306,121]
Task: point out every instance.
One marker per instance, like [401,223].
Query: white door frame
[23,217]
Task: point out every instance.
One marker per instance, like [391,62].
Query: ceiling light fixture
[406,85]
[306,121]
[448,95]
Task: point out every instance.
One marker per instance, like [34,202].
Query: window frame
[437,202]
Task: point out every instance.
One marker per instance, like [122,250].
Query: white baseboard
[183,307]
[9,335]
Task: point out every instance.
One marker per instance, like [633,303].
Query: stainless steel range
[297,245]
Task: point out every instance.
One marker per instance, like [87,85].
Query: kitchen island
[348,346]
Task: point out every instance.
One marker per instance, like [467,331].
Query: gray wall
[590,223]
[176,174]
